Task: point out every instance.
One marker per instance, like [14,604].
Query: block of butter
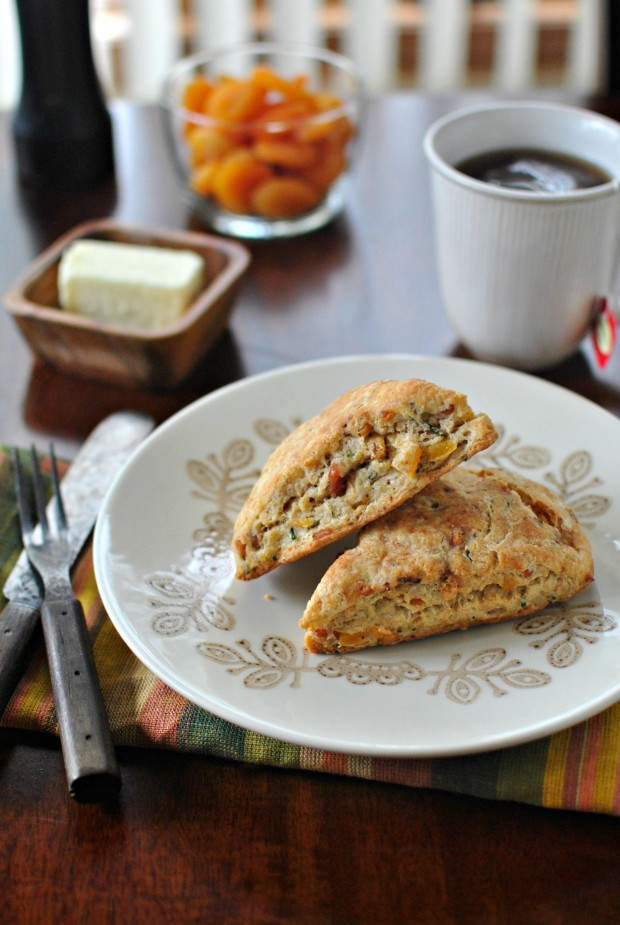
[128,285]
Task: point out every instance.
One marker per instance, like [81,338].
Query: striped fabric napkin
[578,769]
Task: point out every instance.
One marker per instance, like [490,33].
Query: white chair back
[136,41]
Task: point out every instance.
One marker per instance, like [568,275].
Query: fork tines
[23,500]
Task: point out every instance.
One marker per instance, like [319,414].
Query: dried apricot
[266,77]
[289,154]
[330,163]
[337,129]
[236,101]
[206,143]
[201,179]
[284,197]
[196,94]
[283,118]
[238,174]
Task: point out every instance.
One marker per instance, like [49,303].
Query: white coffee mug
[521,272]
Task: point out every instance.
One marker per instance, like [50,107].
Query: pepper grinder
[61,128]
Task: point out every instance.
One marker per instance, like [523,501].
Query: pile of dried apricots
[272,147]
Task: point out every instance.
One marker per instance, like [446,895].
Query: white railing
[425,44]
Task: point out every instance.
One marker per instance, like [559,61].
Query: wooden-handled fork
[90,761]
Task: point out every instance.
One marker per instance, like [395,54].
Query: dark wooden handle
[17,625]
[90,761]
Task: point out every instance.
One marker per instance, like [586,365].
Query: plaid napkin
[578,769]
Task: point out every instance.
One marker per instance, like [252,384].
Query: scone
[365,454]
[473,547]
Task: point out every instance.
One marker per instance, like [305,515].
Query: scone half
[472,548]
[364,455]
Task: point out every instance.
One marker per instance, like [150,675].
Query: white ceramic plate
[164,569]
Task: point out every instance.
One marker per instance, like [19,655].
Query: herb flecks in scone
[472,548]
[364,455]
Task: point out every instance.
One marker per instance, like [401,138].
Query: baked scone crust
[472,548]
[364,455]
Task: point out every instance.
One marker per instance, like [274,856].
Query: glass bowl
[263,136]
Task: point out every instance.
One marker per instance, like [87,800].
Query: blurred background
[434,45]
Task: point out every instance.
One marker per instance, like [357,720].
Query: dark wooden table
[198,840]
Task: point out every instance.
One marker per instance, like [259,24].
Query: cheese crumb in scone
[472,548]
[364,455]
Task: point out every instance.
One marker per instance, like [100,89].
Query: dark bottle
[62,128]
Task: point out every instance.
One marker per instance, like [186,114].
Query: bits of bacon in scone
[364,455]
[471,548]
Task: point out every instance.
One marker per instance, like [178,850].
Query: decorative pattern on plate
[194,596]
[509,453]
[575,479]
[278,662]
[272,431]
[462,683]
[221,480]
[566,626]
[183,603]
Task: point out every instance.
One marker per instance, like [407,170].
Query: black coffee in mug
[534,171]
